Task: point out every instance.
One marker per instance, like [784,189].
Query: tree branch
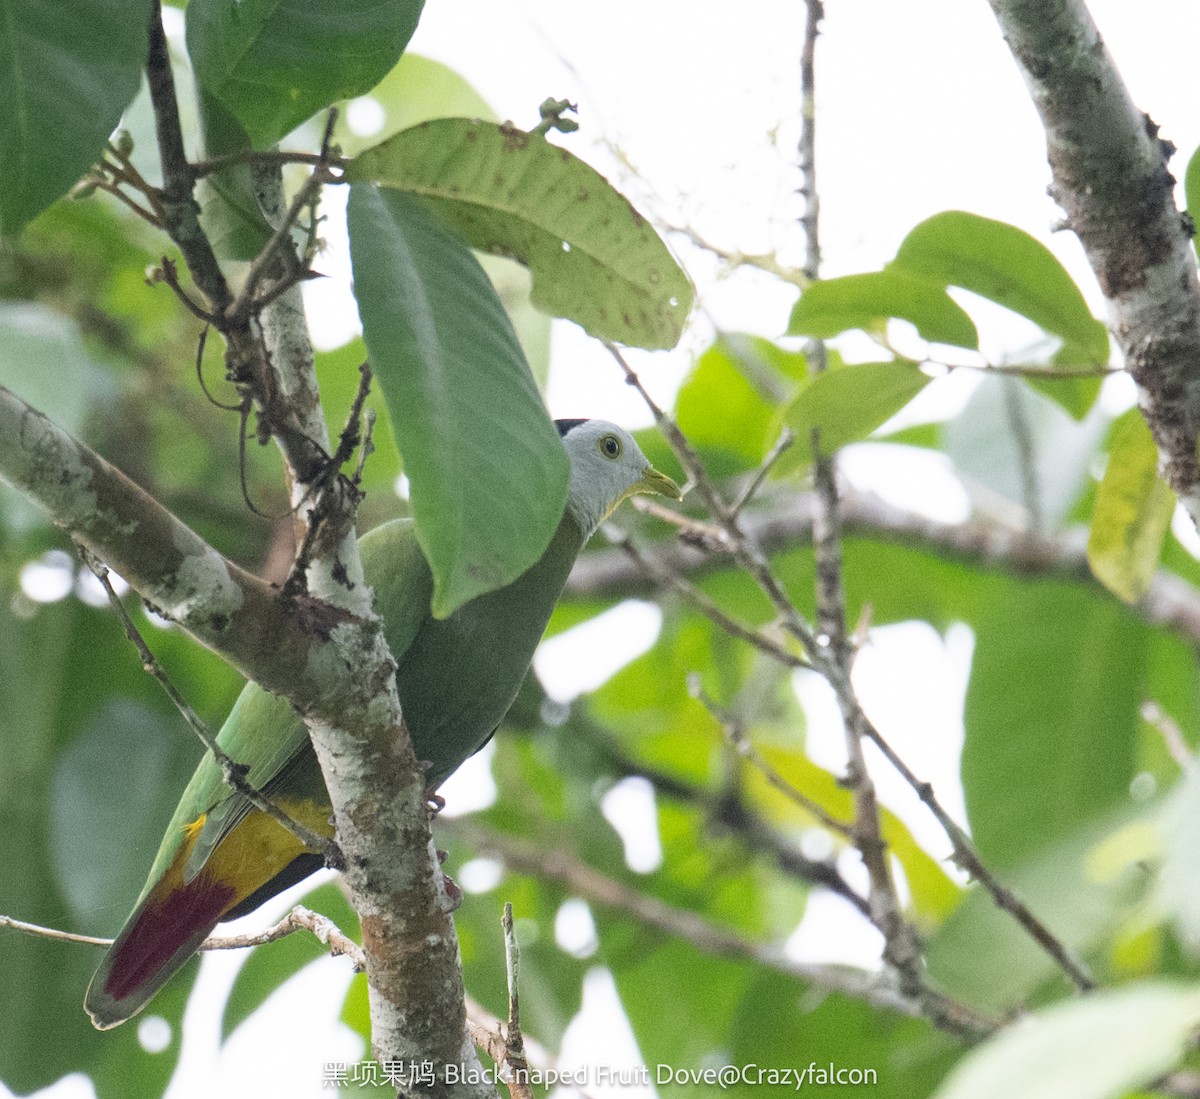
[990,543]
[902,947]
[1110,177]
[234,613]
[596,888]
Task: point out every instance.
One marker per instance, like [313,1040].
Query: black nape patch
[567,426]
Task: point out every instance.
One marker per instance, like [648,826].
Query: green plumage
[456,677]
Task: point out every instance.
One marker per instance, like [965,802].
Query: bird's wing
[216,852]
[262,731]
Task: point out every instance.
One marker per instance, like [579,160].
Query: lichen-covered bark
[226,608]
[1111,179]
[375,786]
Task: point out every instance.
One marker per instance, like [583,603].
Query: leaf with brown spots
[593,258]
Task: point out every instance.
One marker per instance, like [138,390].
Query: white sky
[920,109]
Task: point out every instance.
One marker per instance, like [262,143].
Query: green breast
[458,676]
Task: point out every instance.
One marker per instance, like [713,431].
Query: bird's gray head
[606,467]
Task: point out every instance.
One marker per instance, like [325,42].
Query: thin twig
[1018,420]
[487,1032]
[708,608]
[902,946]
[52,933]
[515,1059]
[595,887]
[736,735]
[1168,728]
[232,772]
[267,158]
[298,919]
[968,858]
[733,259]
[246,301]
[166,272]
[200,342]
[114,189]
[782,444]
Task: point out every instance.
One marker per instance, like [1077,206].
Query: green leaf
[845,405]
[1076,394]
[715,395]
[1052,715]
[1133,510]
[832,306]
[594,259]
[273,63]
[271,964]
[229,202]
[1095,1047]
[43,361]
[1191,188]
[67,71]
[487,469]
[1007,266]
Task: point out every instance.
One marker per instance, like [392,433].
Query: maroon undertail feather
[159,931]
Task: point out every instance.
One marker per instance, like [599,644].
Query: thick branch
[1111,179]
[234,613]
[375,785]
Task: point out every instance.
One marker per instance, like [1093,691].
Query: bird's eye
[610,446]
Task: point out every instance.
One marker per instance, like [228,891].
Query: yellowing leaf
[934,895]
[1132,512]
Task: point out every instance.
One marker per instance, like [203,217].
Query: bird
[456,677]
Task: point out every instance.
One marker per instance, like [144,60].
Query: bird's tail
[251,861]
[161,934]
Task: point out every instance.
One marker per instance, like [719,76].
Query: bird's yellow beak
[657,484]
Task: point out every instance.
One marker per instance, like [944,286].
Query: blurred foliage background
[1079,710]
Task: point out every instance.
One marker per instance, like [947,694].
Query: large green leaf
[273,63]
[714,395]
[594,259]
[1097,1047]
[487,470]
[67,71]
[845,405]
[1007,266]
[832,306]
[1133,510]
[1052,715]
